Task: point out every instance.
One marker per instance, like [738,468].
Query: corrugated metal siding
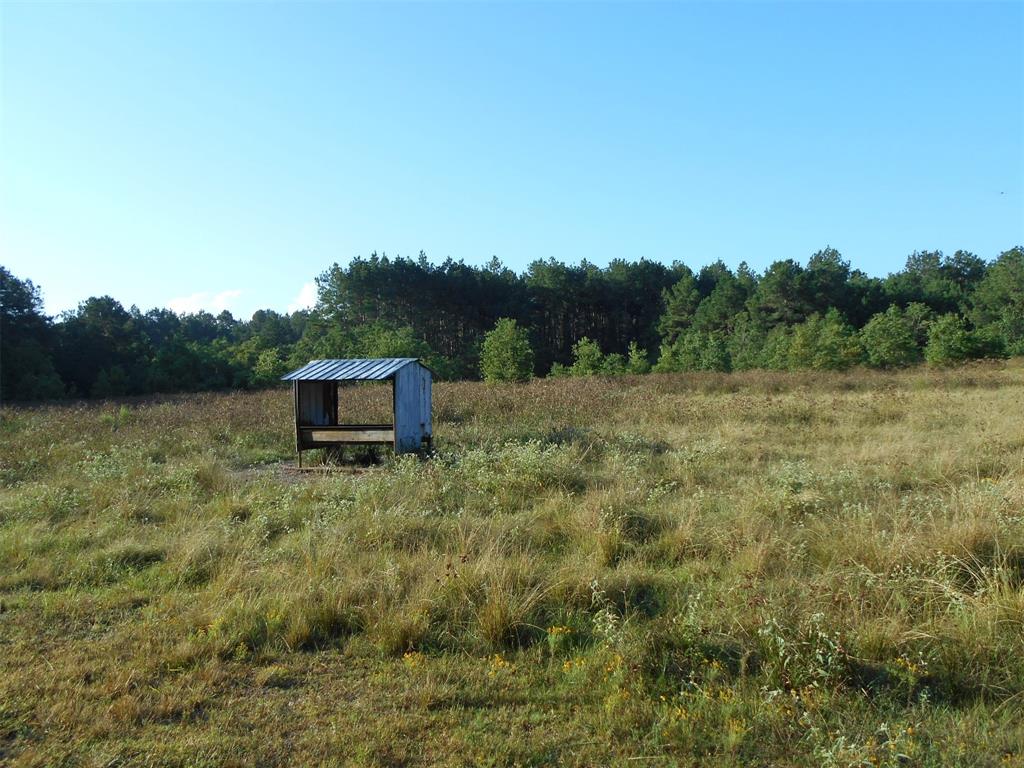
[371,369]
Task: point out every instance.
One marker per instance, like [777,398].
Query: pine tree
[638,362]
[681,301]
[506,354]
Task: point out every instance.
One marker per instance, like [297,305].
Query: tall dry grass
[772,568]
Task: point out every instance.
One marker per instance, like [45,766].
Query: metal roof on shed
[360,369]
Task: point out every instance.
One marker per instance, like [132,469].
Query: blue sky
[222,155]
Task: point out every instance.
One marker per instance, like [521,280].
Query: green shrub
[999,300]
[888,340]
[270,367]
[613,365]
[990,342]
[695,351]
[826,343]
[838,346]
[637,362]
[746,343]
[775,353]
[1008,329]
[587,358]
[949,341]
[506,354]
[559,371]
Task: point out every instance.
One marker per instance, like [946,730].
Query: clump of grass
[399,631]
[275,676]
[321,620]
[510,613]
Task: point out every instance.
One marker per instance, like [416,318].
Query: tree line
[552,319]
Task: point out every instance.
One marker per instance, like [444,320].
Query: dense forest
[577,319]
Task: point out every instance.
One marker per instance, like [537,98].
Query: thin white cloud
[197,302]
[221,300]
[306,298]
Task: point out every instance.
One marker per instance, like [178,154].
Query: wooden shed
[315,389]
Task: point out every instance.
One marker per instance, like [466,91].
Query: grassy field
[748,569]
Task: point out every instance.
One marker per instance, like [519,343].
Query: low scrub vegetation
[768,568]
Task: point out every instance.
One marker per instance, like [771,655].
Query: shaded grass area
[773,569]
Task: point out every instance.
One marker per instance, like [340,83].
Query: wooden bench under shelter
[315,390]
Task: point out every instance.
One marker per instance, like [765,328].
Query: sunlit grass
[788,569]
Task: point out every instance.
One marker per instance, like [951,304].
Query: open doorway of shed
[360,403]
[366,402]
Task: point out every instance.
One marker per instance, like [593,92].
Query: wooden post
[298,436]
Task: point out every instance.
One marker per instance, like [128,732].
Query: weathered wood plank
[328,436]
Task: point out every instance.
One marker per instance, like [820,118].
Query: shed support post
[298,436]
